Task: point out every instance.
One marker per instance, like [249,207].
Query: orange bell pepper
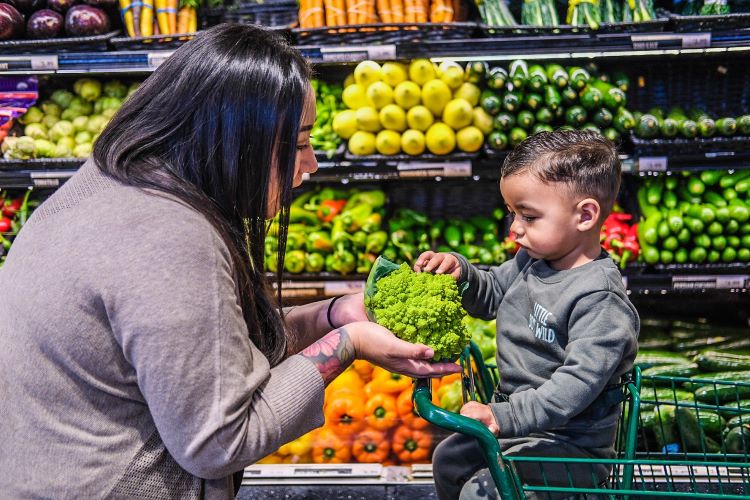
[380,412]
[329,448]
[412,446]
[364,369]
[390,383]
[407,412]
[345,413]
[349,382]
[371,446]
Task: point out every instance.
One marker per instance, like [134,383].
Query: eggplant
[11,22]
[102,3]
[60,6]
[84,20]
[45,23]
[26,6]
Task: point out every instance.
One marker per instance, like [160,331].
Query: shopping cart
[689,466]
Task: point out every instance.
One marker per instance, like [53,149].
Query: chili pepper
[380,411]
[390,253]
[329,209]
[485,256]
[374,199]
[365,262]
[412,446]
[339,236]
[646,208]
[468,233]
[302,199]
[297,214]
[10,207]
[376,242]
[371,446]
[372,223]
[452,236]
[296,240]
[359,240]
[356,217]
[314,262]
[401,237]
[498,253]
[294,261]
[319,241]
[390,383]
[411,218]
[345,414]
[329,448]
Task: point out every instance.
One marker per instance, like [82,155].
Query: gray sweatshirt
[126,367]
[562,337]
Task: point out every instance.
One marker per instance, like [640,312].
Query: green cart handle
[464,425]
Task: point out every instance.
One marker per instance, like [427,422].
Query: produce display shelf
[560,46]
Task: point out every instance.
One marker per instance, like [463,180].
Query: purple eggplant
[44,23]
[60,6]
[84,20]
[11,22]
[26,6]
[102,3]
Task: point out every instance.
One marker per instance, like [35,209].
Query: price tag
[652,164]
[50,179]
[45,183]
[333,288]
[381,52]
[433,169]
[156,58]
[696,40]
[733,281]
[314,470]
[344,54]
[654,41]
[628,165]
[693,282]
[28,63]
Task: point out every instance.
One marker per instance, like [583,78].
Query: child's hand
[438,263]
[483,413]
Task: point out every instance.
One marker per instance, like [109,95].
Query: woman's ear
[588,212]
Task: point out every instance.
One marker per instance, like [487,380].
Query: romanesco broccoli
[421,308]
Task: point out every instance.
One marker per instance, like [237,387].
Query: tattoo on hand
[332,354]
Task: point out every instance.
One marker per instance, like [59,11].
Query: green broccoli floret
[421,308]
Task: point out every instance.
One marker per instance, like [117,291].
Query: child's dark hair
[584,160]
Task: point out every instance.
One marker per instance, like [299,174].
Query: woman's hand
[483,413]
[378,345]
[438,263]
[349,309]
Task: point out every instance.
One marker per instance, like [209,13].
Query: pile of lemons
[397,108]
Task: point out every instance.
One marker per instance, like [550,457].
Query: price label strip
[155,59]
[11,64]
[435,169]
[720,282]
[356,53]
[652,164]
[655,41]
[313,471]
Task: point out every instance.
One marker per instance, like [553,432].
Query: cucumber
[504,122]
[579,77]
[537,78]
[741,407]
[575,116]
[717,361]
[666,396]
[497,140]
[691,345]
[737,440]
[655,343]
[517,136]
[525,120]
[692,436]
[557,75]
[707,379]
[669,128]
[512,101]
[743,419]
[743,124]
[679,370]
[712,423]
[647,359]
[612,134]
[665,427]
[720,393]
[497,78]
[706,127]
[689,129]
[544,115]
[568,96]
[519,73]
[726,126]
[621,80]
[603,118]
[648,127]
[552,98]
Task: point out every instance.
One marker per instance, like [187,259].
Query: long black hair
[208,127]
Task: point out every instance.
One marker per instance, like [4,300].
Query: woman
[141,354]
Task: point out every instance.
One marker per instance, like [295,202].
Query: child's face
[548,220]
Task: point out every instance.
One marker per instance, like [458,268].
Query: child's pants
[460,471]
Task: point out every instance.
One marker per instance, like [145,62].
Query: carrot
[183,18]
[422,9]
[193,23]
[371,17]
[147,18]
[172,16]
[384,11]
[397,11]
[162,16]
[127,17]
[330,13]
[341,12]
[305,14]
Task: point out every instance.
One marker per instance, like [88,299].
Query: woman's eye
[302,147]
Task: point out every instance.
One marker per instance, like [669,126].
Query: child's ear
[588,211]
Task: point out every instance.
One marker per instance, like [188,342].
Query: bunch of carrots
[328,13]
[139,19]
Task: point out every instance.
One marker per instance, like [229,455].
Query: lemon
[407,94]
[458,113]
[355,97]
[388,142]
[412,142]
[368,119]
[435,95]
[349,80]
[421,71]
[451,73]
[420,118]
[380,94]
[362,143]
[469,92]
[345,123]
[482,120]
[394,73]
[368,72]
[393,117]
[469,139]
[440,139]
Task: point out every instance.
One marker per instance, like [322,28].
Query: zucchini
[497,78]
[525,120]
[621,80]
[721,393]
[544,115]
[717,361]
[679,370]
[512,101]
[612,97]
[568,96]
[575,116]
[591,127]
[537,77]
[612,134]
[726,126]
[504,122]
[689,129]
[541,127]
[665,427]
[552,98]
[557,75]
[591,98]
[648,127]
[476,71]
[706,127]
[743,124]
[669,128]
[579,77]
[497,140]
[692,435]
[533,101]
[517,136]
[603,118]
[519,73]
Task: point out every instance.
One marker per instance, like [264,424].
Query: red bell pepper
[328,209]
[5,224]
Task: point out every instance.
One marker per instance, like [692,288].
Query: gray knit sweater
[125,365]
